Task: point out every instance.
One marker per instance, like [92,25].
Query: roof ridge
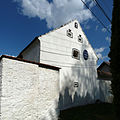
[37,63]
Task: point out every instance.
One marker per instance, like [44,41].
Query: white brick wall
[29,92]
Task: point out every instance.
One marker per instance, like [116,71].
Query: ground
[101,111]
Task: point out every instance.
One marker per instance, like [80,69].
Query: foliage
[115,55]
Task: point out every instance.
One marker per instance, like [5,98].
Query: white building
[32,88]
[68,48]
[105,77]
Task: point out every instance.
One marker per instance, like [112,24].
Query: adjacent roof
[36,38]
[32,62]
[103,74]
[104,63]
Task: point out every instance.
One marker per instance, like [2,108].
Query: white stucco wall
[56,49]
[29,92]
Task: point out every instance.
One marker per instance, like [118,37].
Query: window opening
[69,33]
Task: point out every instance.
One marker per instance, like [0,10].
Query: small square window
[75,54]
[76,25]
[76,84]
[69,33]
[80,39]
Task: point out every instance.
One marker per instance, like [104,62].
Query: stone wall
[0,85]
[29,92]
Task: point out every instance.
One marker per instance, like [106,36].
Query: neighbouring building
[55,71]
[105,77]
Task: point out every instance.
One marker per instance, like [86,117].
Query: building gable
[62,38]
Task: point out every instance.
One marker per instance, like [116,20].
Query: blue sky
[22,20]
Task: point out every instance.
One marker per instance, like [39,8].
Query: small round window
[85,54]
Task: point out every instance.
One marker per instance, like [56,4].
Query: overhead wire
[99,6]
[96,16]
[107,6]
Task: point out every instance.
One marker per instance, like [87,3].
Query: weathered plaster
[0,85]
[29,92]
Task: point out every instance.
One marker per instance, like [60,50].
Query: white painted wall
[56,49]
[29,92]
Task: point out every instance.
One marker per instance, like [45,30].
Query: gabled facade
[68,48]
[105,77]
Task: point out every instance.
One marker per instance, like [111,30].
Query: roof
[37,38]
[103,74]
[104,63]
[32,62]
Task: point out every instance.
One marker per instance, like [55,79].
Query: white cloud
[103,29]
[99,52]
[96,28]
[57,12]
[108,39]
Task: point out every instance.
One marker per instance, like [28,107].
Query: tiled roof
[32,62]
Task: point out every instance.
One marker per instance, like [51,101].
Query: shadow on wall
[88,91]
[105,91]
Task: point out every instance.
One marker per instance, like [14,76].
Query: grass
[102,111]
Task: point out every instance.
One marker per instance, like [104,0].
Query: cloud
[96,28]
[99,52]
[56,12]
[108,39]
[103,30]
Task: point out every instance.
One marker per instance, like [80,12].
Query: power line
[102,10]
[96,16]
[106,5]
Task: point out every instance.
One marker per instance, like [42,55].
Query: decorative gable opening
[85,54]
[69,33]
[76,54]
[76,25]
[80,39]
